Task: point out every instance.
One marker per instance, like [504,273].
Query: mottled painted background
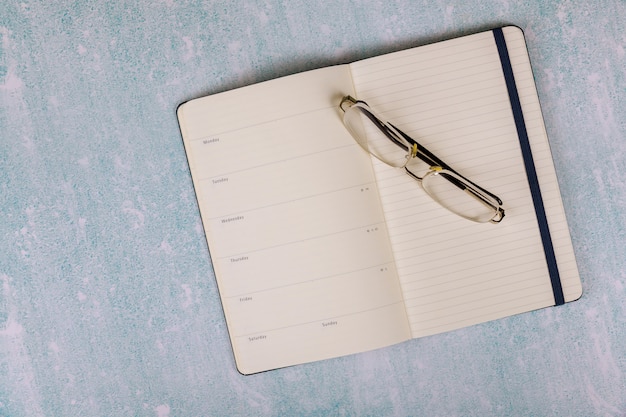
[108,305]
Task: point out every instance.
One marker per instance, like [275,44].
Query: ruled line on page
[321,319]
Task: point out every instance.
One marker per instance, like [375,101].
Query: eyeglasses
[390,145]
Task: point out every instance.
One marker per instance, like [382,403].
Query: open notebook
[320,250]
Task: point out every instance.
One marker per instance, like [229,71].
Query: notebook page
[293,222]
[561,239]
[452,98]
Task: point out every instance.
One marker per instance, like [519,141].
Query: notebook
[320,250]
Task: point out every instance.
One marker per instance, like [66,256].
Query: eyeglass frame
[415,149]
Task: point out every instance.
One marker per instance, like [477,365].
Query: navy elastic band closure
[529,164]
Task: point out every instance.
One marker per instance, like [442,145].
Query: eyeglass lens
[376,138]
[450,191]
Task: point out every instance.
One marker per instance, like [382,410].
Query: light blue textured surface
[108,305]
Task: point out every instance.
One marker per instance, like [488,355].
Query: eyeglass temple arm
[382,126]
[425,155]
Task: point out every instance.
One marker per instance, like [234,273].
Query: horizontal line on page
[276,162]
[321,319]
[273,120]
[327,277]
[234,255]
[465,313]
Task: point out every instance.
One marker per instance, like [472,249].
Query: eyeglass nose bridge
[429,170]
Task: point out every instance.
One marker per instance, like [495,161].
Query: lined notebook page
[452,98]
[293,222]
[561,239]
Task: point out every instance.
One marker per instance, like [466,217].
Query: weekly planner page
[293,222]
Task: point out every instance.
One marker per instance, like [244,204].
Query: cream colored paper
[293,222]
[452,98]
[321,251]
